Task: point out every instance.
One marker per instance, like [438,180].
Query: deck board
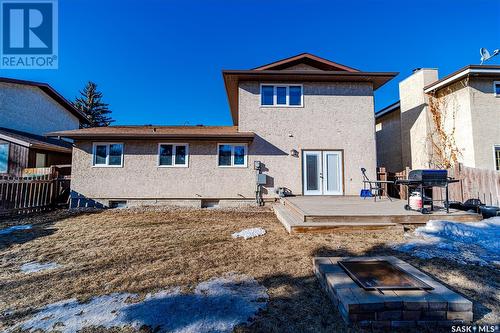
[327,214]
[355,209]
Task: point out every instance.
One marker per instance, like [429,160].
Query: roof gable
[52,93]
[305,61]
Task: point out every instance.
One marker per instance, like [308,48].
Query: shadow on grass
[42,225]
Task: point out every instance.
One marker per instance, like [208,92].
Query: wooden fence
[23,195]
[474,183]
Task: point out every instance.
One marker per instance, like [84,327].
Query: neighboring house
[309,121]
[27,111]
[388,137]
[467,103]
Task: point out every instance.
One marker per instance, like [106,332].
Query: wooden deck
[349,213]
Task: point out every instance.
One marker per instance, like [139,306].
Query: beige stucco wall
[415,122]
[469,109]
[485,114]
[472,109]
[334,116]
[29,109]
[388,136]
[455,107]
[141,178]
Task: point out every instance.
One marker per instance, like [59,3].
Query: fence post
[383,176]
[403,193]
[53,193]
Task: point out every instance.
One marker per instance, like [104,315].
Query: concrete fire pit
[390,308]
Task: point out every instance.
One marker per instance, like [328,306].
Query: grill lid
[381,275]
[428,175]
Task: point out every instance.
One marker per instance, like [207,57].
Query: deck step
[294,210]
[349,209]
[293,224]
[399,218]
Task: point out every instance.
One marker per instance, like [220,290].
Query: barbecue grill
[419,180]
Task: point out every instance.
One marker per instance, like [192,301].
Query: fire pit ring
[381,275]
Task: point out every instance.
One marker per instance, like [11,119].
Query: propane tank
[416,201]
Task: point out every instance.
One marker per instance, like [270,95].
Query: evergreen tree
[91,105]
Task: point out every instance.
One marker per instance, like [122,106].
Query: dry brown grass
[145,250]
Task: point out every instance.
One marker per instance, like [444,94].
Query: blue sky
[160,61]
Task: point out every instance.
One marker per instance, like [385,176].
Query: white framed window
[496,88]
[40,160]
[496,151]
[4,157]
[107,154]
[281,95]
[173,155]
[232,155]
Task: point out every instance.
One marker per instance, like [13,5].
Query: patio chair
[374,186]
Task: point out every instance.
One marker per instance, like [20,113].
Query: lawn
[147,250]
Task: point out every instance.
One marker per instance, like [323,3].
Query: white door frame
[327,173]
[318,175]
[323,173]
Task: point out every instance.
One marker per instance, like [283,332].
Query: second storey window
[232,155]
[108,154]
[281,95]
[173,155]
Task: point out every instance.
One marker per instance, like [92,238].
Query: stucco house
[308,120]
[28,110]
[467,105]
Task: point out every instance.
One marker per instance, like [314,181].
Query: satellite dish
[485,55]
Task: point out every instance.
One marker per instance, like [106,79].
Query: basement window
[117,204]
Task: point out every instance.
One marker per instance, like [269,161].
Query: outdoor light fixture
[257,165]
[294,153]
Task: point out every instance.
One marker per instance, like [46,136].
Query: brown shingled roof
[480,70]
[309,59]
[279,71]
[158,132]
[35,141]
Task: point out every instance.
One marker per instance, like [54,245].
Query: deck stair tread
[293,223]
[354,209]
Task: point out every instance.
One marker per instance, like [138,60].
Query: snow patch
[9,230]
[477,242]
[33,267]
[217,305]
[249,233]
